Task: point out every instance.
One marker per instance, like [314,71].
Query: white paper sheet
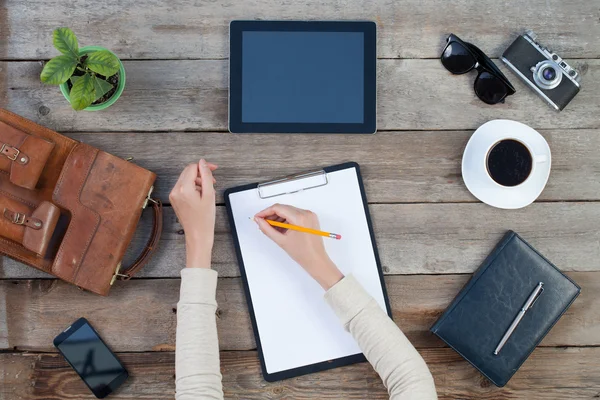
[296,327]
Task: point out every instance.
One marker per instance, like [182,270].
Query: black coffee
[509,162]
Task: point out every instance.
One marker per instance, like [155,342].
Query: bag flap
[39,231]
[32,158]
[23,156]
[84,221]
[23,223]
[62,148]
[104,195]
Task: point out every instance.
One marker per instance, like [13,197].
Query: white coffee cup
[476,173]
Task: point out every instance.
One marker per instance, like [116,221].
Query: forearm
[402,369]
[197,365]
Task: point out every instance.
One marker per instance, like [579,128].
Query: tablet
[302,77]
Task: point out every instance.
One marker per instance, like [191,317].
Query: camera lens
[549,73]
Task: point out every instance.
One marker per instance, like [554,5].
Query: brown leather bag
[70,209]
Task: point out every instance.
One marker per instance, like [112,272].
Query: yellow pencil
[303,229]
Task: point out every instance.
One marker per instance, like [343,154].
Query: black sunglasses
[491,86]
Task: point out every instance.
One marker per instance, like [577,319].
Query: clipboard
[253,245]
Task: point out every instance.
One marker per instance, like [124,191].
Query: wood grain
[550,373]
[396,166]
[199,29]
[407,167]
[411,238]
[192,95]
[39,309]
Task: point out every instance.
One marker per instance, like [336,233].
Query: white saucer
[474,169]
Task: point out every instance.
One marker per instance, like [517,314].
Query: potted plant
[91,78]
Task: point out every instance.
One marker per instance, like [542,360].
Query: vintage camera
[544,71]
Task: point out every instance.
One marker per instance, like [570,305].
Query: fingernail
[203,162]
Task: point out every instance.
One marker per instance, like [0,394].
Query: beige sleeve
[400,366]
[197,366]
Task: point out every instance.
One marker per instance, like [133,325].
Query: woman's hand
[193,199]
[304,248]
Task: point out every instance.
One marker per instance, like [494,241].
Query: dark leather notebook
[483,311]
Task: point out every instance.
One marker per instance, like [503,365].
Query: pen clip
[536,297]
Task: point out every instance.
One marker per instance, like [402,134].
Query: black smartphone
[89,356]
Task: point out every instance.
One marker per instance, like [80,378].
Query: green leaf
[82,92]
[58,70]
[74,79]
[66,42]
[102,62]
[101,87]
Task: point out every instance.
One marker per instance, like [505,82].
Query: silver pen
[532,297]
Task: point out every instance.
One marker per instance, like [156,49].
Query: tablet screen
[302,77]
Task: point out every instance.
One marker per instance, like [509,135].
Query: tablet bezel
[369,28]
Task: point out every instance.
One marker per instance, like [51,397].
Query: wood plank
[37,310]
[406,167]
[199,29]
[193,95]
[411,238]
[550,373]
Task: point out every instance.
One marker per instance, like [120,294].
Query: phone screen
[91,358]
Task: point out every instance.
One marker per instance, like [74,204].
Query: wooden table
[431,232]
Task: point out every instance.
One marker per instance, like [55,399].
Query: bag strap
[151,246]
[18,218]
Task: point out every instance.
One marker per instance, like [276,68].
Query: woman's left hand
[193,199]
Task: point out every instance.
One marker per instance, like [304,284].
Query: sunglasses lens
[457,59]
[489,88]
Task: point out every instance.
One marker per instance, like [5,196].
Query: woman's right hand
[193,199]
[304,248]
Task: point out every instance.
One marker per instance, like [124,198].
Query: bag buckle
[149,199]
[14,150]
[19,219]
[117,274]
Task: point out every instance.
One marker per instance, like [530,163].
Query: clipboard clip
[292,184]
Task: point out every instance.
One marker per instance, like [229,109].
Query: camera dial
[531,34]
[546,75]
